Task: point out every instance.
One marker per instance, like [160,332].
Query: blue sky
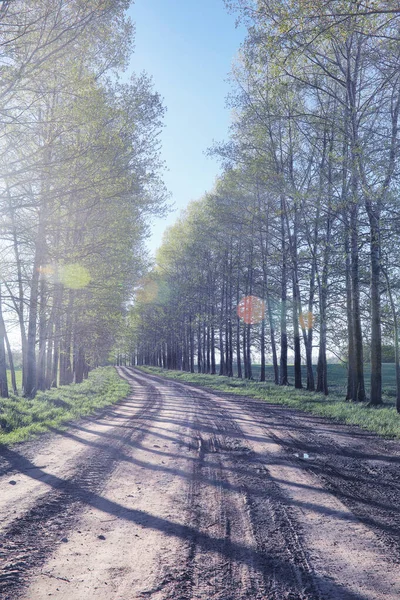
[187,46]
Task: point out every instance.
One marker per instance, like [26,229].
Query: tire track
[31,538]
[258,549]
[306,543]
[277,564]
[367,482]
[357,467]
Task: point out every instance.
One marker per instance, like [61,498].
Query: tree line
[295,252]
[79,176]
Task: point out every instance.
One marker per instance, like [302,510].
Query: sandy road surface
[184,494]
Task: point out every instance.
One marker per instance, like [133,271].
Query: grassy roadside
[383,420]
[21,418]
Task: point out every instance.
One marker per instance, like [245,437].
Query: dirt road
[184,494]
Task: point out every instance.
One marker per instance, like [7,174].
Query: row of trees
[79,174]
[304,217]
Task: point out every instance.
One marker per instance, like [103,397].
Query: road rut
[182,493]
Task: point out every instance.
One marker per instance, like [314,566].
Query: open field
[337,378]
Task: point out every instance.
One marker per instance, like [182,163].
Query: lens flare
[149,291]
[71,275]
[47,271]
[306,320]
[74,276]
[251,309]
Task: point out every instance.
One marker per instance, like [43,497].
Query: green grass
[382,420]
[22,418]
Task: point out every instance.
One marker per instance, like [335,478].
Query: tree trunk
[322,367]
[41,363]
[245,363]
[351,364]
[273,342]
[191,334]
[238,354]
[308,339]
[262,350]
[248,352]
[283,373]
[49,358]
[199,353]
[79,364]
[58,296]
[20,305]
[66,374]
[30,389]
[395,339]
[221,334]
[213,366]
[3,366]
[11,363]
[376,337]
[359,389]
[296,339]
[248,327]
